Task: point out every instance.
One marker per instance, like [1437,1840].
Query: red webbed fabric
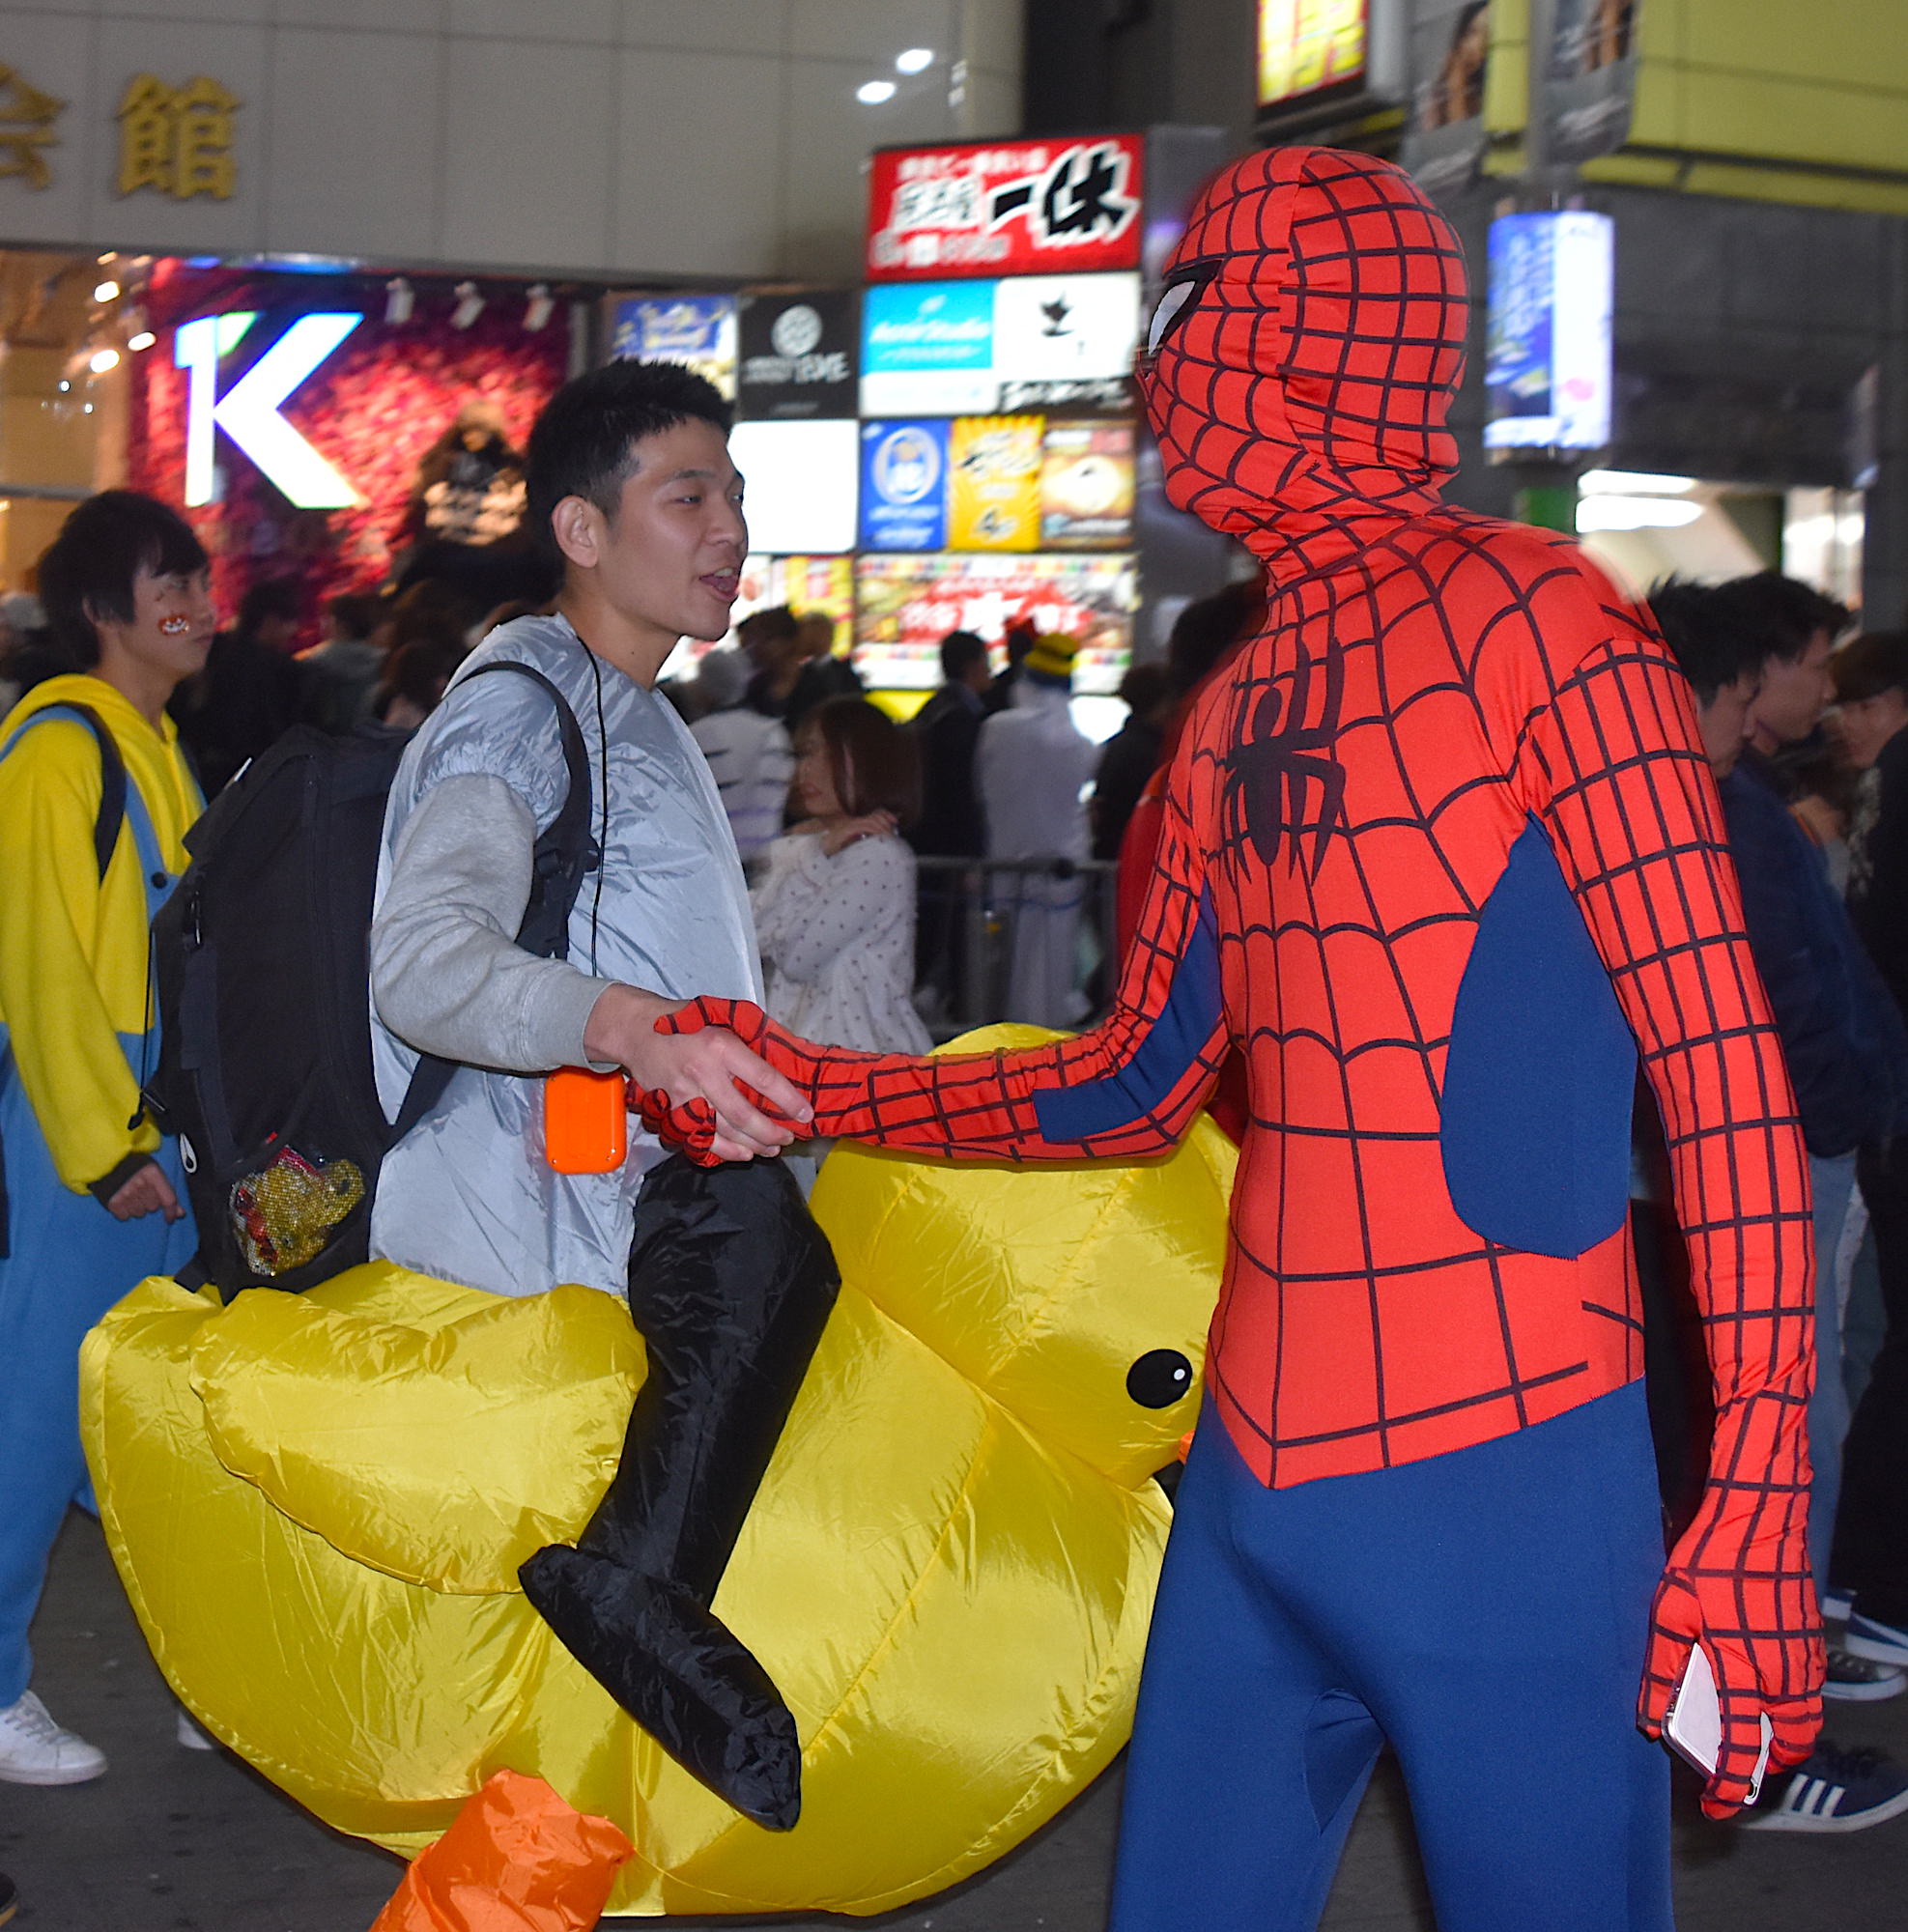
[1428,686]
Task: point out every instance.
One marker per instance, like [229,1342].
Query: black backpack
[262,964]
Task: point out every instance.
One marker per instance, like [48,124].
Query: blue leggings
[1484,1611]
[70,1261]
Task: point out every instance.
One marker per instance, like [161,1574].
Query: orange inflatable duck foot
[516,1858]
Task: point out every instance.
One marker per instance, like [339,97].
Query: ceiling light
[872,93]
[914,59]
[1633,483]
[470,306]
[537,310]
[143,340]
[1633,513]
[398,300]
[106,292]
[103,359]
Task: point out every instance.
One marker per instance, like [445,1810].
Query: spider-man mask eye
[1177,298]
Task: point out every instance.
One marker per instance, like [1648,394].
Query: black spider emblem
[1267,797]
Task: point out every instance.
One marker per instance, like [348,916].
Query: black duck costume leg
[730,1283]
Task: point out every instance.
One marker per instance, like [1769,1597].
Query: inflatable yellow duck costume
[319,1504]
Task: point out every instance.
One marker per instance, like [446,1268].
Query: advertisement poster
[800,354]
[904,486]
[1592,80]
[994,483]
[1548,371]
[1066,328]
[907,605]
[1006,208]
[1306,44]
[801,484]
[928,349]
[696,329]
[1032,342]
[1087,486]
[1450,48]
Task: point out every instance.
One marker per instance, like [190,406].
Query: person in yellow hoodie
[94,1199]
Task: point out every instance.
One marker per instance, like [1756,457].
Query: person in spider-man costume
[1443,856]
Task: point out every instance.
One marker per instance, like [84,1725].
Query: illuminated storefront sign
[1006,208]
[979,348]
[699,330]
[1087,486]
[907,605]
[250,412]
[1307,45]
[799,353]
[1548,364]
[904,486]
[994,483]
[800,482]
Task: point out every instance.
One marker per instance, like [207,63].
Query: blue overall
[70,1261]
[1484,1611]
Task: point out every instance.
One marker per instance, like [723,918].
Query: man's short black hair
[88,570]
[1779,615]
[960,652]
[1867,665]
[1704,635]
[583,442]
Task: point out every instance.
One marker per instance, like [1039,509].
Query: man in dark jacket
[946,730]
[1842,1036]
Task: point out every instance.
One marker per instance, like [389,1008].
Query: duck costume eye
[1160,1378]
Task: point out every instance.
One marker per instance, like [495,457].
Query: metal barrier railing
[1013,938]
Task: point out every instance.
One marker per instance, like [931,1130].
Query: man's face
[669,561]
[171,623]
[1864,724]
[1726,723]
[1794,696]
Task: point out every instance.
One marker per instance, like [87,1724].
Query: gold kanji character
[26,126]
[177,141]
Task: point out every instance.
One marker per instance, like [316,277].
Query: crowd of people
[761,832]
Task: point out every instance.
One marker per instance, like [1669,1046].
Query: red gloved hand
[691,1127]
[1738,1581]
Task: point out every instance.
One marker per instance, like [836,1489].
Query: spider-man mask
[1305,349]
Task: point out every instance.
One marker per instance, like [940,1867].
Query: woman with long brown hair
[834,911]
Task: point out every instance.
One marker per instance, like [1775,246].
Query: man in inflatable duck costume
[1443,858]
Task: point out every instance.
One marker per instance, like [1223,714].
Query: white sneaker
[35,1751]
[190,1737]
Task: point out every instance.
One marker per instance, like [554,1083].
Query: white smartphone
[1694,1726]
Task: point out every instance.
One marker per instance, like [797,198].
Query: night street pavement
[173,1840]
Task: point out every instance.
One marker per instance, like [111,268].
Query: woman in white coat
[835,909]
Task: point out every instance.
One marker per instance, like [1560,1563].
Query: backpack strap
[561,858]
[111,814]
[565,852]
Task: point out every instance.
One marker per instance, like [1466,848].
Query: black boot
[730,1284]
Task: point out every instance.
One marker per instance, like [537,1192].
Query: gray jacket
[465,1195]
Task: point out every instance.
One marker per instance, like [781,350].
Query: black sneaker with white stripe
[1834,1791]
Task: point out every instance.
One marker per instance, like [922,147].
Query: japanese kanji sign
[1006,208]
[26,128]
[176,140]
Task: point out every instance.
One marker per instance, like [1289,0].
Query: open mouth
[174,627]
[724,584]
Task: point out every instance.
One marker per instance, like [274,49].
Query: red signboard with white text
[1006,208]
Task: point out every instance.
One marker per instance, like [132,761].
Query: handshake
[716,1079]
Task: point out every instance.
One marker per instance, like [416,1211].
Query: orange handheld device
[585,1120]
